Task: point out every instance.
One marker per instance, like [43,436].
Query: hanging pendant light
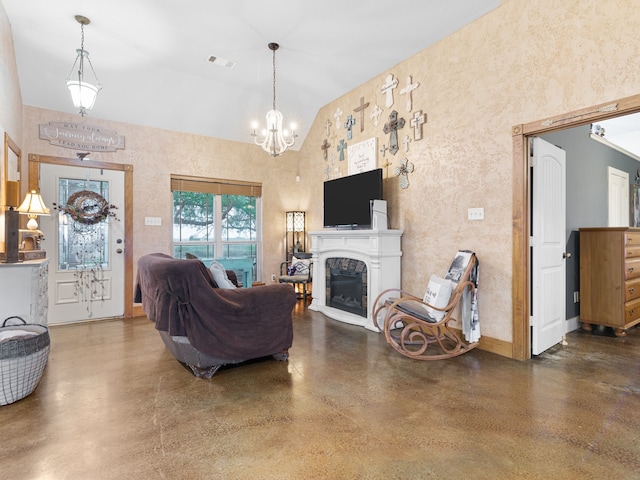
[274,140]
[83,90]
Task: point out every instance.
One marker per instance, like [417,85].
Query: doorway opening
[521,134]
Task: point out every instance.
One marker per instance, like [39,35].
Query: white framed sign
[363,156]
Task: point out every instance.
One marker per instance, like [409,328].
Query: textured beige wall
[522,62]
[10,96]
[155,154]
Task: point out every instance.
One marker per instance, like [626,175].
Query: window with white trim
[218,219]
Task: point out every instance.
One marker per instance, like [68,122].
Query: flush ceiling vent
[222,62]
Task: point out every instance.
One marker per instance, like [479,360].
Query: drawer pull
[632,290]
[631,312]
[630,269]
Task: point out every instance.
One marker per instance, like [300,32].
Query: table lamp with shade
[32,206]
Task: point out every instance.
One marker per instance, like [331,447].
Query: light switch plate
[155,221]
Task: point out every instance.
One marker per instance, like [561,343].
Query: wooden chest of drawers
[610,277]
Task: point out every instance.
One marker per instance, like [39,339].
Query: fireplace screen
[347,285]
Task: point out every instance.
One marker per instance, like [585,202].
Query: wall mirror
[12,156]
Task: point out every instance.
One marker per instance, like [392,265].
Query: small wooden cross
[405,142]
[325,146]
[386,165]
[338,116]
[342,146]
[349,126]
[410,87]
[360,109]
[416,122]
[375,114]
[387,89]
[327,127]
[392,128]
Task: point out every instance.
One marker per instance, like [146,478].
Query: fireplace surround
[376,254]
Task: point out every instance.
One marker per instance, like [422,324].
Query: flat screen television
[347,200]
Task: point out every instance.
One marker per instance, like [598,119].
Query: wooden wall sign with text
[81,137]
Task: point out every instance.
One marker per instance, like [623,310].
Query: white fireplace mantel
[380,250]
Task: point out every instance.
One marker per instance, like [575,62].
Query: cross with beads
[392,127]
[324,147]
[360,109]
[387,89]
[349,126]
[341,148]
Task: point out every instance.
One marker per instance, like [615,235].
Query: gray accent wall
[587,192]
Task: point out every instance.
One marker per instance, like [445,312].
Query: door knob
[566,255]
[118,250]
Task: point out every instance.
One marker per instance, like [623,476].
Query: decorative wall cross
[416,122]
[342,146]
[383,150]
[349,126]
[360,109]
[405,142]
[338,116]
[389,84]
[392,128]
[327,171]
[403,172]
[386,165]
[375,114]
[325,146]
[410,87]
[327,126]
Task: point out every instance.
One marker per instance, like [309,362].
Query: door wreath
[87,207]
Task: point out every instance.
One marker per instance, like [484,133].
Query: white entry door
[87,264]
[548,243]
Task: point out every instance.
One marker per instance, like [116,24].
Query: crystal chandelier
[83,92]
[274,140]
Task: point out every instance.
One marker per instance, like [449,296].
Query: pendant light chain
[274,78]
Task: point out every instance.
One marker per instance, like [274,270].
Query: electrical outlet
[475,213]
[155,221]
[273,278]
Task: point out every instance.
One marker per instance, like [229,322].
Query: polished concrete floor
[113,404]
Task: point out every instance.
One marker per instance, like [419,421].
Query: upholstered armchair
[298,271]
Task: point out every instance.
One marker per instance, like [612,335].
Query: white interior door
[87,268]
[548,243]
[618,197]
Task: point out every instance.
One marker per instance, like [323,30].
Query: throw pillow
[301,267]
[437,295]
[220,275]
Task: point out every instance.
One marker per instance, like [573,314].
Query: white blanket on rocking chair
[469,305]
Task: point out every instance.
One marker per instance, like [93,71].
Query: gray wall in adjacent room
[587,192]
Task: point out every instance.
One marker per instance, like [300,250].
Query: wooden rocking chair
[414,327]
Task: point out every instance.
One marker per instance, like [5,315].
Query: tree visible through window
[221,226]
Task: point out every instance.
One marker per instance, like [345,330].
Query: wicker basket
[22,361]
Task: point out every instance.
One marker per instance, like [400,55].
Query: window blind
[215,185]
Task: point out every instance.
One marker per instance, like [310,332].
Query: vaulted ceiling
[152,56]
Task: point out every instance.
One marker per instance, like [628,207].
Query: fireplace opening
[347,285]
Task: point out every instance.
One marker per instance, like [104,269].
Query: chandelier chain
[274,79]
